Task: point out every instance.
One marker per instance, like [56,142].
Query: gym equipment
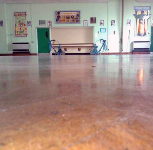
[59,52]
[103,48]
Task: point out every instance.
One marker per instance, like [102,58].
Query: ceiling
[64,1]
[54,1]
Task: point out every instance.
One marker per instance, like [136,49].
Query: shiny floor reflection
[76,102]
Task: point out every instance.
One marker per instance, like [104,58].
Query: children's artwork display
[142,15]
[66,17]
[20,24]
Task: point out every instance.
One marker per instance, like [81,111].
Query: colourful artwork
[67,17]
[20,24]
[142,15]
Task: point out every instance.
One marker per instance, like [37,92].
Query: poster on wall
[20,24]
[85,22]
[49,23]
[29,24]
[101,22]
[93,20]
[66,17]
[128,22]
[1,23]
[142,15]
[112,22]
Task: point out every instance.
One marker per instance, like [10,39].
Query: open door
[43,39]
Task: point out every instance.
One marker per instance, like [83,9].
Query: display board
[70,35]
[20,24]
[66,17]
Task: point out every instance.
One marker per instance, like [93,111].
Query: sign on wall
[102,30]
[42,22]
[20,24]
[67,17]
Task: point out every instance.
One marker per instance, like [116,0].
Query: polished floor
[76,102]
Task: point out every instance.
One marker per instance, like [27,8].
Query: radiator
[141,46]
[21,47]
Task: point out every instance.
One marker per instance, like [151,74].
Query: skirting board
[33,54]
[21,54]
[140,52]
[122,53]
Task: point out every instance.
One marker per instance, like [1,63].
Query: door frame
[37,35]
[151,39]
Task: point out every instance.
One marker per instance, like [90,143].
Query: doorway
[43,39]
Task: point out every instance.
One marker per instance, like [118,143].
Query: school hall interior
[76,74]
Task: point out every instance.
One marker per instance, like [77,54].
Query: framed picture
[29,23]
[101,22]
[92,19]
[42,22]
[85,22]
[1,23]
[112,22]
[67,17]
[128,22]
[49,23]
